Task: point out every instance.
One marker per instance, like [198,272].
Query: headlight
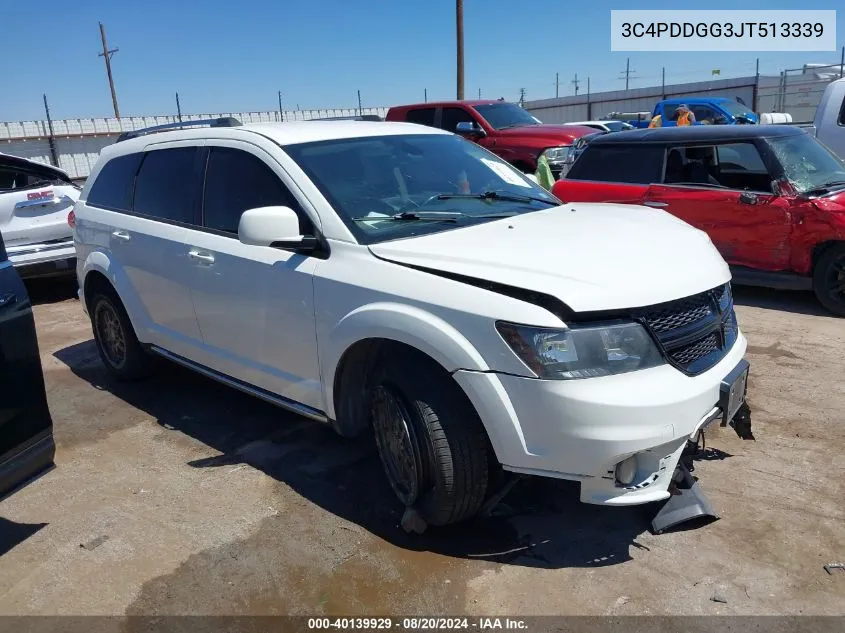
[582,352]
[556,154]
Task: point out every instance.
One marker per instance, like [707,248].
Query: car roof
[699,100]
[695,133]
[440,104]
[288,133]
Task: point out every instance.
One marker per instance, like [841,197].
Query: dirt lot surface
[193,498]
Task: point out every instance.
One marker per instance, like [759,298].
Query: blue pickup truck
[707,111]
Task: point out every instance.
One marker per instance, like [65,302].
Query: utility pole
[178,108]
[576,82]
[842,64]
[522,97]
[459,23]
[360,111]
[663,83]
[557,85]
[281,112]
[589,104]
[106,55]
[51,139]
[757,86]
[628,72]
[425,94]
[479,94]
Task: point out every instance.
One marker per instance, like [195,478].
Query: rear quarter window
[636,164]
[113,187]
[422,116]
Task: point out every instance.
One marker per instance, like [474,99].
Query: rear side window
[113,187]
[740,156]
[636,164]
[164,187]
[236,181]
[423,116]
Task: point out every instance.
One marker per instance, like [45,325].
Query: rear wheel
[114,335]
[432,444]
[829,279]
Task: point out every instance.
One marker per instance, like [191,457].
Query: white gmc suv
[34,203]
[395,277]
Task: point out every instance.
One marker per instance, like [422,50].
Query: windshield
[737,109]
[807,164]
[388,187]
[505,115]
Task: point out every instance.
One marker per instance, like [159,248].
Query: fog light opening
[626,470]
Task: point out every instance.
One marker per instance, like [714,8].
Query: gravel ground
[192,498]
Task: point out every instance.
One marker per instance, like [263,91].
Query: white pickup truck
[829,123]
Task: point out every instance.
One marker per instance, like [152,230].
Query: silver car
[35,202]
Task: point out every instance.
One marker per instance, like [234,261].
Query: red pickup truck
[771,197]
[504,128]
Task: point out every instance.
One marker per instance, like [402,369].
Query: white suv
[395,277]
[35,200]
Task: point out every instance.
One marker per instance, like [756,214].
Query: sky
[225,56]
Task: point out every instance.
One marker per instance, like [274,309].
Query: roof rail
[359,117]
[225,121]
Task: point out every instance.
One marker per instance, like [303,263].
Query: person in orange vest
[685,115]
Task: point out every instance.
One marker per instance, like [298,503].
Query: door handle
[208,258]
[655,203]
[7,299]
[122,236]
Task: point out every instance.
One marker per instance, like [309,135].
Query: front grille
[688,354]
[694,333]
[680,313]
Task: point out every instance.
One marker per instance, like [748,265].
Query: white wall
[78,141]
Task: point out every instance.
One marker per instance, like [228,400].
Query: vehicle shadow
[44,290]
[540,523]
[795,301]
[13,534]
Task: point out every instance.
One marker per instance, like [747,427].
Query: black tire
[114,335]
[829,279]
[432,444]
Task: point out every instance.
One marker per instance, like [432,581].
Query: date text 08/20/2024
[417,623]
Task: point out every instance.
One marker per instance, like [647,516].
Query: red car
[504,128]
[771,198]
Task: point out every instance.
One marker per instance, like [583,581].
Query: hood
[554,133]
[590,256]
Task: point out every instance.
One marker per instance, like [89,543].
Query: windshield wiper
[825,188]
[495,195]
[435,216]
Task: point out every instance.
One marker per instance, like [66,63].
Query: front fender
[401,323]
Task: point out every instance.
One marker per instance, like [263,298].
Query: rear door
[34,203]
[724,189]
[26,428]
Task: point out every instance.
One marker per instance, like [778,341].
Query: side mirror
[274,226]
[469,128]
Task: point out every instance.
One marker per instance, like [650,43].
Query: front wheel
[829,280]
[432,444]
